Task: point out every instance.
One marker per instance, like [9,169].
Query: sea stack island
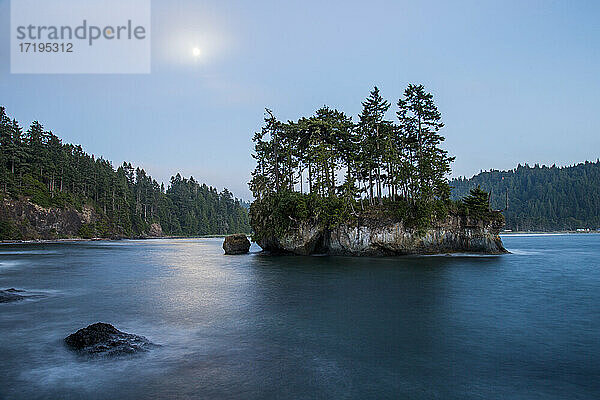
[325,184]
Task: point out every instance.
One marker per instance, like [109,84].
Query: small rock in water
[105,339]
[236,244]
[11,294]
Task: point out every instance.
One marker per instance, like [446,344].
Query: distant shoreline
[546,232]
[74,240]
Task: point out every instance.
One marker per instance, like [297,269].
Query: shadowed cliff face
[457,233]
[23,220]
[30,221]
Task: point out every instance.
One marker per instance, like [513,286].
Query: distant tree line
[36,165]
[542,198]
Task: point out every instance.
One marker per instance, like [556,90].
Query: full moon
[196,52]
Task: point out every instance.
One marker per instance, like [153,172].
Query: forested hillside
[542,198]
[36,167]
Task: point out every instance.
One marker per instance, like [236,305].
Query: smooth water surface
[524,325]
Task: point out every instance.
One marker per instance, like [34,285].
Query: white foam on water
[83,373]
[533,234]
[525,252]
[27,252]
[9,264]
[460,255]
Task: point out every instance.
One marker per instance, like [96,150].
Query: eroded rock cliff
[21,219]
[376,237]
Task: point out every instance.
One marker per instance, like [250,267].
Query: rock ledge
[455,234]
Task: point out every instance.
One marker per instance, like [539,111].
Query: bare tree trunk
[276,165]
[332,177]
[310,190]
[370,186]
[378,168]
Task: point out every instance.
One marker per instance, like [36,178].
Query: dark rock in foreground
[236,244]
[11,294]
[105,339]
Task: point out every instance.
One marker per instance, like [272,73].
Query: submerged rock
[11,294]
[236,244]
[104,339]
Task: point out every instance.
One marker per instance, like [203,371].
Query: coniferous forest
[36,166]
[327,154]
[330,168]
[542,198]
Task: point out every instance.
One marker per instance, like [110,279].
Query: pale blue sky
[516,81]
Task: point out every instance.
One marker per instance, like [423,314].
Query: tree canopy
[369,163]
[541,198]
[36,165]
[477,202]
[328,154]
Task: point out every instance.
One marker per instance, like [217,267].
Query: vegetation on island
[36,166]
[329,168]
[542,198]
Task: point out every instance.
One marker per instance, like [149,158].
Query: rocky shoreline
[455,234]
[96,239]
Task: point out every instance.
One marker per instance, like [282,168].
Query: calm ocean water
[524,325]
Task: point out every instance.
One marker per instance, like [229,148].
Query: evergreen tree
[370,127]
[420,122]
[477,202]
